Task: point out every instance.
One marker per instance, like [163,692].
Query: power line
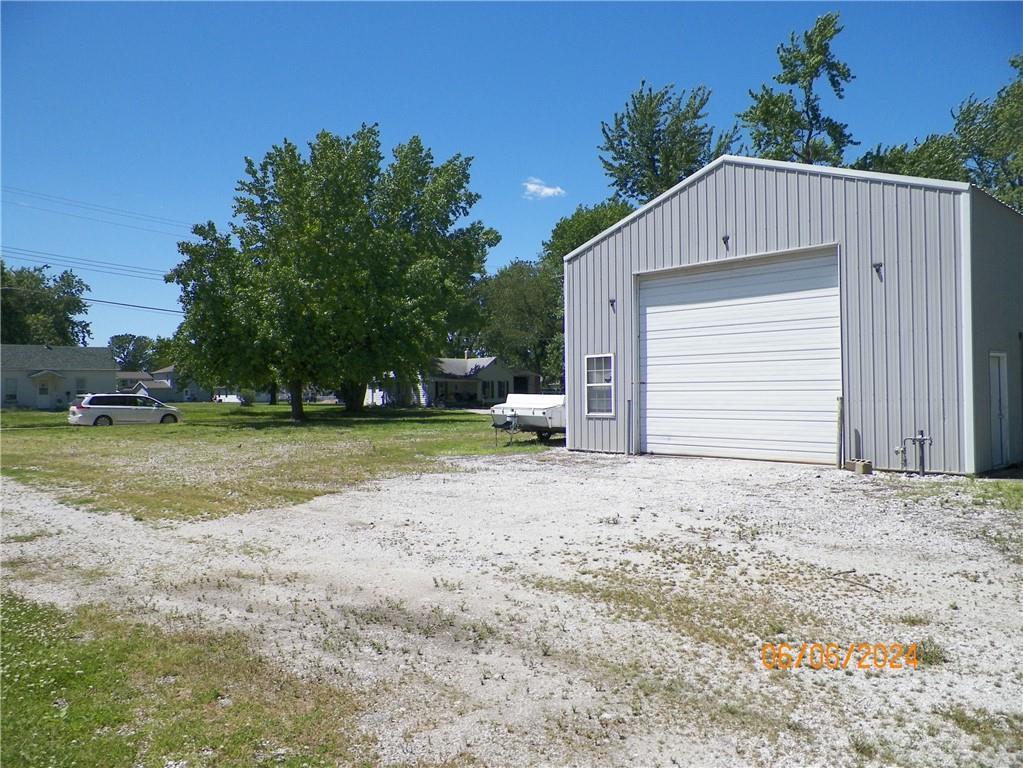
[91,300]
[82,259]
[95,207]
[47,263]
[93,218]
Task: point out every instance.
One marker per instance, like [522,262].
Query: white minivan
[104,410]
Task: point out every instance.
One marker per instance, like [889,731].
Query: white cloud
[535,189]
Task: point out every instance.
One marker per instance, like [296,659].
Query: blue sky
[151,108]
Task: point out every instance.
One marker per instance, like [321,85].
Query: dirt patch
[578,609]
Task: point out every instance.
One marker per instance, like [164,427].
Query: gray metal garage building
[729,315]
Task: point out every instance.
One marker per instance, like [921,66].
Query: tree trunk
[273,393]
[295,390]
[354,394]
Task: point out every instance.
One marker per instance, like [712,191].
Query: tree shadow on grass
[241,417]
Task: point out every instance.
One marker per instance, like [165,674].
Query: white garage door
[742,360]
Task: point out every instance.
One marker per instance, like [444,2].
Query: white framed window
[600,385]
[502,389]
[11,390]
[80,386]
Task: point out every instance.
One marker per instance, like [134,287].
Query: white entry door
[44,396]
[742,360]
[999,410]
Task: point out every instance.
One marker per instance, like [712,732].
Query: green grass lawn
[93,689]
[227,458]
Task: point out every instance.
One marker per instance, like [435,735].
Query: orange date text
[835,656]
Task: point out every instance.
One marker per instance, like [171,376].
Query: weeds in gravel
[914,620]
[1007,494]
[716,617]
[930,652]
[225,459]
[991,731]
[34,568]
[863,746]
[395,615]
[1009,543]
[690,589]
[25,538]
[89,689]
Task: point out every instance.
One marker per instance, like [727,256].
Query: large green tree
[659,139]
[789,123]
[522,323]
[164,353]
[37,309]
[336,270]
[132,353]
[216,342]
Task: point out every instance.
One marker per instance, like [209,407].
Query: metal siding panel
[862,329]
[719,219]
[795,198]
[665,226]
[764,222]
[655,223]
[850,321]
[706,205]
[949,217]
[640,231]
[683,228]
[813,211]
[748,238]
[827,212]
[571,281]
[893,330]
[880,336]
[936,362]
[771,209]
[788,237]
[676,226]
[957,247]
[623,349]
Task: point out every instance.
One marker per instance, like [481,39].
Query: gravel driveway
[582,609]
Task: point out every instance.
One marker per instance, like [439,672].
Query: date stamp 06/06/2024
[835,656]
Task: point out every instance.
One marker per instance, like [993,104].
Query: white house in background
[477,380]
[168,388]
[395,392]
[126,380]
[158,390]
[456,381]
[48,377]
